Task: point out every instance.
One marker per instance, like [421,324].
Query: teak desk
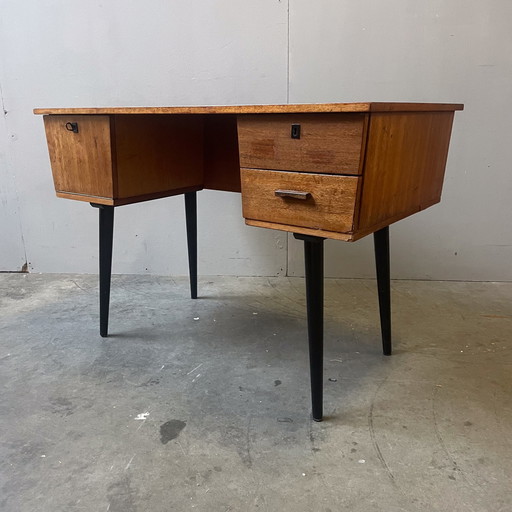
[340,170]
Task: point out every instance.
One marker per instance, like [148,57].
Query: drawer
[81,159]
[320,143]
[317,201]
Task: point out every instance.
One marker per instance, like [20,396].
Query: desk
[339,171]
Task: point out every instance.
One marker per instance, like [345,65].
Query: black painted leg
[191,220]
[314,261]
[381,241]
[106,238]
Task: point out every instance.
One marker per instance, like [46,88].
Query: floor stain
[171,430]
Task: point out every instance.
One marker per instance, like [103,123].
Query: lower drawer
[317,201]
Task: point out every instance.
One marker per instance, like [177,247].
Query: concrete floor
[204,405]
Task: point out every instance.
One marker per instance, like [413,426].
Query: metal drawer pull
[295,194]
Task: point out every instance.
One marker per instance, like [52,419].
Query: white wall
[12,254]
[70,53]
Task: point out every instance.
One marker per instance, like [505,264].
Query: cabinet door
[80,154]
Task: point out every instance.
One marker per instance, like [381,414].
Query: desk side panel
[404,166]
[157,155]
[221,161]
[81,162]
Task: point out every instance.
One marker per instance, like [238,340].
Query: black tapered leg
[191,220]
[106,214]
[314,262]
[381,241]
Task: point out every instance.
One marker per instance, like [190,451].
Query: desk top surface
[261,109]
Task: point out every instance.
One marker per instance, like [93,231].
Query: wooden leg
[106,217]
[381,241]
[314,261]
[191,220]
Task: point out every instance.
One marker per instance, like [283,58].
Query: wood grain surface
[81,162]
[221,162]
[157,153]
[258,109]
[328,143]
[330,205]
[333,235]
[405,163]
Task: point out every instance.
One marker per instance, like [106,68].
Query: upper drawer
[326,143]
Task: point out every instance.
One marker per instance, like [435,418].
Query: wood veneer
[260,109]
[404,167]
[330,204]
[328,143]
[81,162]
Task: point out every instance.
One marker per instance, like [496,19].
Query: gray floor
[204,405]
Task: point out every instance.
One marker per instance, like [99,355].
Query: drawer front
[80,154]
[320,143]
[316,201]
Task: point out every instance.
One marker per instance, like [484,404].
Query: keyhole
[295,131]
[72,127]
